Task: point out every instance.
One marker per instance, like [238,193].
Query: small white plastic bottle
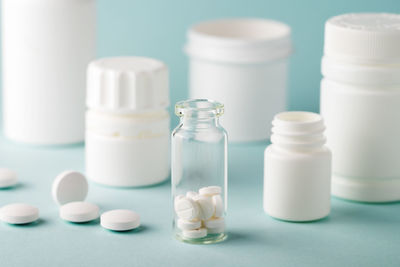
[297,168]
[127,124]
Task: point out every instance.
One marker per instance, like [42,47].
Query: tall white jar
[47,45]
[360,102]
[127,124]
[242,63]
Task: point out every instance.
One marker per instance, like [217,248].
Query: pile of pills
[200,213]
[70,189]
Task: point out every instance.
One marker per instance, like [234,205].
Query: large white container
[47,45]
[242,63]
[360,102]
[127,124]
[297,170]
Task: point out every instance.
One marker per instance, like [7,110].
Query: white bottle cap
[363,38]
[127,84]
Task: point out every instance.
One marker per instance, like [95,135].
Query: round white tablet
[178,197]
[19,213]
[186,208]
[191,194]
[206,207]
[215,223]
[79,212]
[188,225]
[198,233]
[8,178]
[210,190]
[217,230]
[120,220]
[218,204]
[69,186]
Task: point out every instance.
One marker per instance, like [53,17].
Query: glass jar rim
[199,108]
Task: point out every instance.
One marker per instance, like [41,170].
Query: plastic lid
[243,40]
[127,84]
[363,38]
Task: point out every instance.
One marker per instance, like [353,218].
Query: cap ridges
[363,37]
[127,84]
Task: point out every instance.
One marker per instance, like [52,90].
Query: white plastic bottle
[297,168]
[47,45]
[127,124]
[242,63]
[360,102]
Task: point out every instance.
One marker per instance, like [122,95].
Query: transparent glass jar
[199,172]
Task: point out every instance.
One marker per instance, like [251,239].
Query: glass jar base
[209,239]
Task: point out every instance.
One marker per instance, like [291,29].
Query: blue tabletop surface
[353,235]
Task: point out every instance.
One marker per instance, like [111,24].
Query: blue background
[353,235]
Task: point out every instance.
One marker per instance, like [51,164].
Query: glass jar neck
[199,113]
[195,122]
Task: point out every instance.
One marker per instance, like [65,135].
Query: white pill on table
[186,208]
[214,223]
[188,225]
[206,207]
[218,204]
[210,190]
[191,194]
[198,233]
[19,213]
[8,178]
[120,220]
[69,186]
[79,212]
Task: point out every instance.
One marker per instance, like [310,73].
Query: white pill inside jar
[217,230]
[186,208]
[191,194]
[188,225]
[215,223]
[218,204]
[210,190]
[206,207]
[193,234]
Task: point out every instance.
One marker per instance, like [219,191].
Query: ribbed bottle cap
[363,38]
[127,84]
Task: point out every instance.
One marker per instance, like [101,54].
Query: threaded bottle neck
[298,130]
